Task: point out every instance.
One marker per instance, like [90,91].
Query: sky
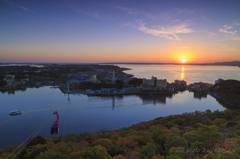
[98,31]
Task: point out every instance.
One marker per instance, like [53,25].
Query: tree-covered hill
[202,135]
[229,91]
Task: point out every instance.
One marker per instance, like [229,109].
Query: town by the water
[197,134]
[91,80]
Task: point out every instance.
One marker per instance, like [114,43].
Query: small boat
[15,112]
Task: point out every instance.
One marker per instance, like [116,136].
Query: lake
[81,113]
[189,73]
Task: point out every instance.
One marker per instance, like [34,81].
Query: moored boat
[15,112]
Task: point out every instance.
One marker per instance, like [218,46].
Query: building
[11,81]
[197,86]
[154,82]
[202,86]
[93,79]
[218,81]
[180,82]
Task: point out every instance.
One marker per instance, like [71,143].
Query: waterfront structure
[130,89]
[154,82]
[202,86]
[11,81]
[180,82]
[218,81]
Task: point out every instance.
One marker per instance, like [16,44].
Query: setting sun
[183,60]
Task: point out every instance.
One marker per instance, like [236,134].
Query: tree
[2,83]
[218,121]
[116,150]
[120,84]
[36,140]
[148,150]
[103,142]
[135,81]
[96,152]
[176,141]
[51,155]
[205,136]
[127,143]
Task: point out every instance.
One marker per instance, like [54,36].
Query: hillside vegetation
[190,135]
[229,91]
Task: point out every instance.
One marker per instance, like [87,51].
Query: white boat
[15,112]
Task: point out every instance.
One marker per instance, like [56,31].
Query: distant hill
[232,63]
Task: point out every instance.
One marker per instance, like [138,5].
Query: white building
[161,83]
[180,82]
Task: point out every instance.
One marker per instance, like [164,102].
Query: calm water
[89,113]
[190,73]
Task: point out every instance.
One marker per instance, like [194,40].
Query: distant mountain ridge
[230,63]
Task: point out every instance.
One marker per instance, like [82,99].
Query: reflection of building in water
[148,99]
[199,95]
[12,91]
[113,98]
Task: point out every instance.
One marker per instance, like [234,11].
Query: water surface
[84,113]
[189,73]
[81,113]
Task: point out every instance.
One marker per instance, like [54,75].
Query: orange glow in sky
[183,56]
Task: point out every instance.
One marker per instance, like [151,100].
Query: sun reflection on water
[182,74]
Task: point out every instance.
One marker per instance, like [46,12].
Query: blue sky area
[119,31]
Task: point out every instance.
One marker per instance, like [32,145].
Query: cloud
[237,24]
[163,15]
[169,32]
[169,14]
[229,48]
[127,24]
[95,14]
[122,8]
[226,28]
[92,14]
[237,38]
[130,11]
[16,5]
